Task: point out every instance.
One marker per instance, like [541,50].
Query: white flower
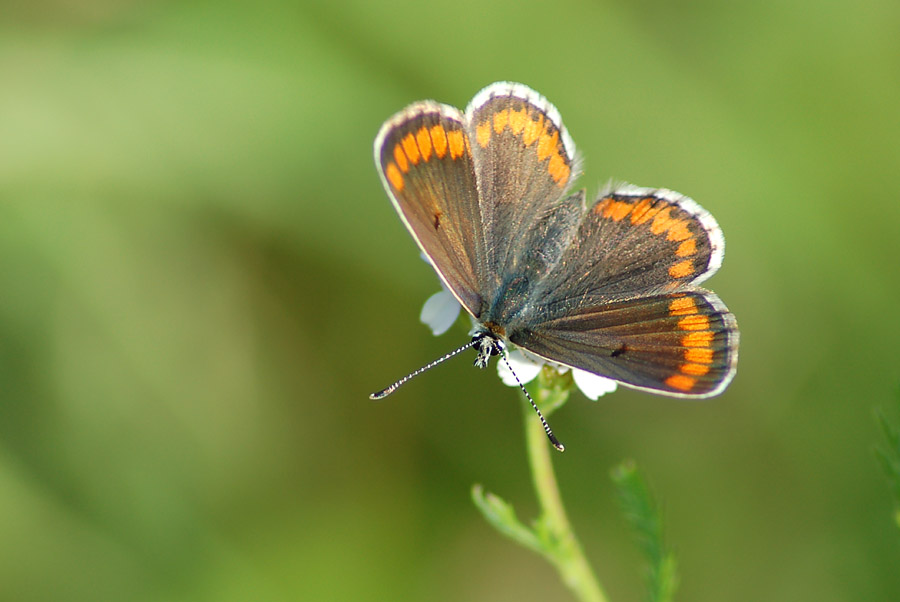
[527,368]
[442,309]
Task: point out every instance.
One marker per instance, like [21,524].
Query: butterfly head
[486,343]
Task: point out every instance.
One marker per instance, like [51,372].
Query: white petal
[440,312]
[526,369]
[591,385]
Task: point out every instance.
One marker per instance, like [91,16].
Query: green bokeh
[201,279]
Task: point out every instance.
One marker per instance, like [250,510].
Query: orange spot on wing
[532,130]
[411,148]
[688,247]
[601,204]
[697,339]
[517,120]
[424,140]
[694,369]
[501,118]
[483,134]
[682,306]
[617,210]
[699,355]
[661,222]
[682,269]
[602,208]
[681,382]
[640,208]
[646,214]
[439,140]
[678,230]
[394,176]
[547,145]
[456,143]
[694,322]
[400,158]
[559,169]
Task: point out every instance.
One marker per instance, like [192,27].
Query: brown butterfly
[611,288]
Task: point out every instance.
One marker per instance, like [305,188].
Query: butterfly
[610,287]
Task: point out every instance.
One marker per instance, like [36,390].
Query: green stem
[567,555]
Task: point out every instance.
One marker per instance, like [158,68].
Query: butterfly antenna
[387,391]
[547,429]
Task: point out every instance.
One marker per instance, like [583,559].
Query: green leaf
[501,515]
[889,455]
[644,516]
[552,535]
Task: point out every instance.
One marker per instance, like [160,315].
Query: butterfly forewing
[636,241]
[524,162]
[425,161]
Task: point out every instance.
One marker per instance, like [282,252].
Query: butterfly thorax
[507,303]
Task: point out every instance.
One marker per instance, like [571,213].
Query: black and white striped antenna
[388,390]
[488,345]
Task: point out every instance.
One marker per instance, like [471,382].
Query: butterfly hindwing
[682,344]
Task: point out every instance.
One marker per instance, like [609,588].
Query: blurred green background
[201,279]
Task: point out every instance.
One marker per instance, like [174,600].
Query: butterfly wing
[638,241]
[424,157]
[682,344]
[623,301]
[524,163]
[481,190]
